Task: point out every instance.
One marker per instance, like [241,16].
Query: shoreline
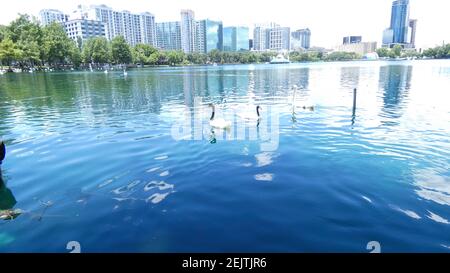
[118,67]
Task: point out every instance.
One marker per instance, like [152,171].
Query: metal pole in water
[354,101]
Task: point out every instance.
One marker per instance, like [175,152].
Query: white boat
[280,59]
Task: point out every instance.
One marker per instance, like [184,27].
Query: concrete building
[301,39]
[260,39]
[84,29]
[148,29]
[188,31]
[351,39]
[168,35]
[361,48]
[279,38]
[412,32]
[271,37]
[48,16]
[135,28]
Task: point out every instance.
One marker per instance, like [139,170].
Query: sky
[329,20]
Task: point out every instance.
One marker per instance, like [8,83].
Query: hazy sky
[329,20]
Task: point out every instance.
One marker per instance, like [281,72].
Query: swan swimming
[219,123]
[251,115]
[304,107]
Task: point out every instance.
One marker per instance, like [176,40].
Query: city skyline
[372,19]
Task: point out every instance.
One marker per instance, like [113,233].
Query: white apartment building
[48,16]
[84,29]
[271,37]
[188,31]
[135,28]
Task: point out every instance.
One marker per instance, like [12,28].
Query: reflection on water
[433,187]
[7,199]
[101,147]
[395,81]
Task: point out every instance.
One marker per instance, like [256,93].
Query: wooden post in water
[354,101]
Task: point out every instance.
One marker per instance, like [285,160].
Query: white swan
[304,107]
[250,115]
[125,73]
[106,71]
[219,123]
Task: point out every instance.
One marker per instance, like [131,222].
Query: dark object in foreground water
[2,151]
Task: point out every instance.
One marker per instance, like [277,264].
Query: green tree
[31,52]
[56,44]
[430,52]
[75,54]
[121,53]
[197,58]
[397,50]
[175,57]
[342,56]
[101,52]
[215,56]
[9,51]
[145,54]
[27,34]
[96,51]
[4,32]
[382,52]
[154,58]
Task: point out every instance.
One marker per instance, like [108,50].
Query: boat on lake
[280,59]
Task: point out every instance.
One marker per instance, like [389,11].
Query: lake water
[130,164]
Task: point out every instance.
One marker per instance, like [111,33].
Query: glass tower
[242,34]
[229,38]
[209,35]
[400,21]
[169,35]
[235,38]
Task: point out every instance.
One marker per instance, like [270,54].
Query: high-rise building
[242,35]
[84,29]
[400,21]
[388,37]
[301,39]
[229,38]
[48,16]
[401,30]
[235,38]
[168,35]
[148,29]
[135,28]
[351,39]
[209,35]
[279,38]
[271,37]
[260,40]
[412,32]
[188,31]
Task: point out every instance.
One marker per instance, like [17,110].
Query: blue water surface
[131,164]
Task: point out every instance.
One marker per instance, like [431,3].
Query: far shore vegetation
[25,44]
